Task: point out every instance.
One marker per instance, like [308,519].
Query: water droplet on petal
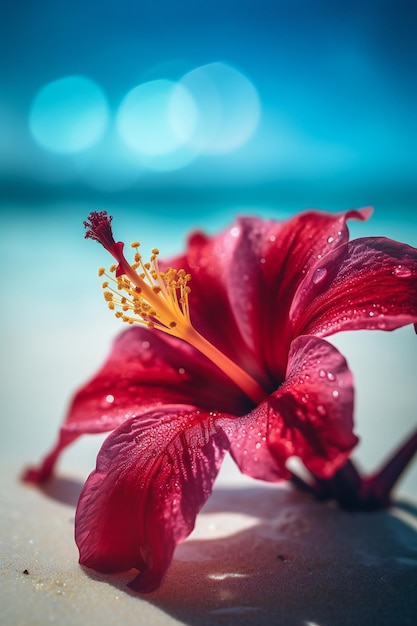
[145,345]
[262,260]
[335,394]
[258,445]
[321,410]
[401,271]
[235,231]
[331,376]
[272,238]
[322,374]
[330,239]
[181,370]
[319,275]
[106,402]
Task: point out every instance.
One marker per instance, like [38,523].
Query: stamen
[158,299]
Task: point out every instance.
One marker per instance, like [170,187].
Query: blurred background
[174,116]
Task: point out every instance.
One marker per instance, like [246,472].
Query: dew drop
[272,238]
[258,445]
[402,272]
[322,374]
[146,345]
[371,313]
[330,239]
[235,231]
[335,394]
[181,370]
[321,410]
[107,401]
[319,275]
[331,376]
[262,260]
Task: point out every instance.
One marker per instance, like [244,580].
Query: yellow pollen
[154,297]
[159,299]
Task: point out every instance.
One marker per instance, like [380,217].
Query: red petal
[372,285]
[309,416]
[145,369]
[152,477]
[247,278]
[149,369]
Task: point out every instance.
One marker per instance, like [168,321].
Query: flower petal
[247,277]
[148,369]
[372,285]
[145,369]
[309,416]
[153,475]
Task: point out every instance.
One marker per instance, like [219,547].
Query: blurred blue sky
[336,84]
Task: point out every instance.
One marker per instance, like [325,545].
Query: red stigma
[98,227]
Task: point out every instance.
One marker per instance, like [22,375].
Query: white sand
[259,555]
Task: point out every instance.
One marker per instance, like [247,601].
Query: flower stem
[369,493]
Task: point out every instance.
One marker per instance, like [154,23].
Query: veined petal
[145,370]
[153,475]
[290,253]
[211,261]
[247,277]
[148,369]
[310,416]
[372,285]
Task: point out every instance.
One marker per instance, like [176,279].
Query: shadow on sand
[288,559]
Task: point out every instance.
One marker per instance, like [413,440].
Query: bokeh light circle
[69,115]
[228,106]
[157,118]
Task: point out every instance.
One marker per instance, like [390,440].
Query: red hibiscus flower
[240,365]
